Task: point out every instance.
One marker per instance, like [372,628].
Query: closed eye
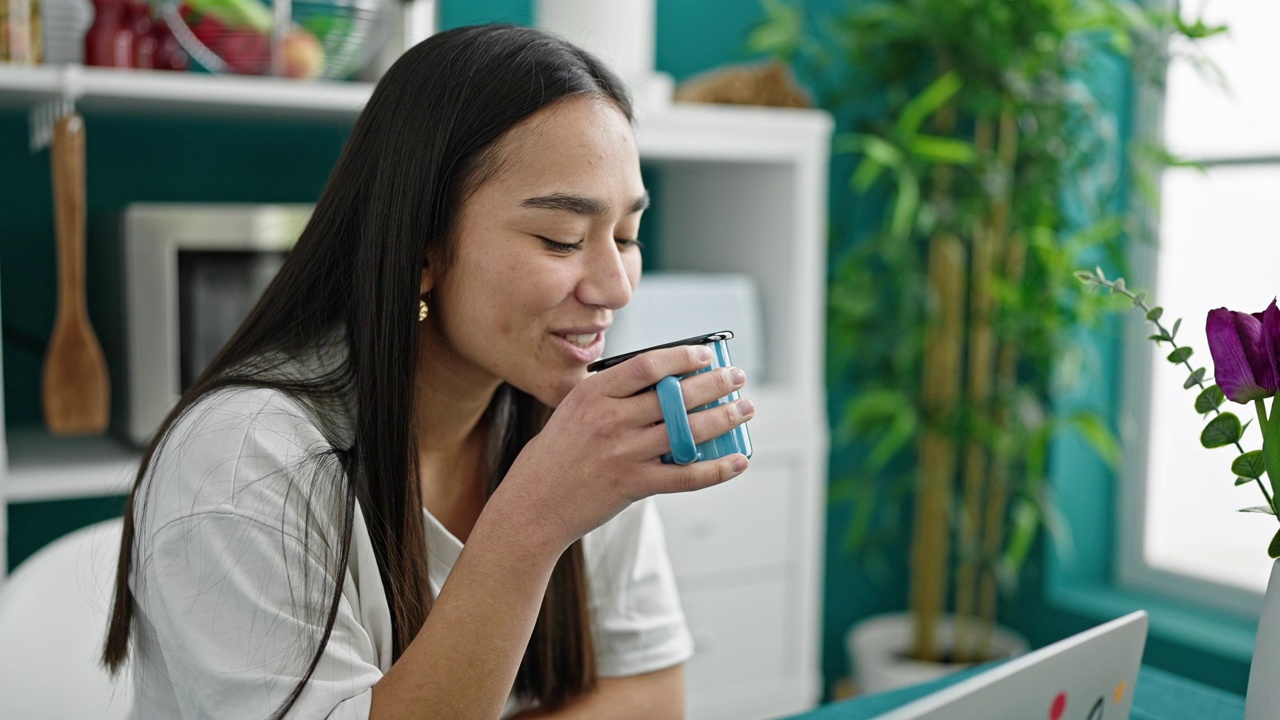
[629,243]
[559,246]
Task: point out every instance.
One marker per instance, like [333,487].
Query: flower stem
[1264,426]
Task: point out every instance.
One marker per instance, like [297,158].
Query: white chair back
[53,618]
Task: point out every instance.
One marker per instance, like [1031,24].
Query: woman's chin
[553,393]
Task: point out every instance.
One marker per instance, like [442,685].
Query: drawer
[741,524]
[739,633]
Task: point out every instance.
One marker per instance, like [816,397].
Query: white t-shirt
[236,527]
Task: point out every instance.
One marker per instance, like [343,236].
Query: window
[1219,246]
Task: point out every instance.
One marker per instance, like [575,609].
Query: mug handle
[683,450]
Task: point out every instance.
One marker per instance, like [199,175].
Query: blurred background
[982,444]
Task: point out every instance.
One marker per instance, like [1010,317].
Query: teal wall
[161,159]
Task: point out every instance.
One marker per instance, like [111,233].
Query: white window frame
[1132,572]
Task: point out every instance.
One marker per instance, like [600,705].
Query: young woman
[409,402]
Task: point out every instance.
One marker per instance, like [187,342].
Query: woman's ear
[427,282]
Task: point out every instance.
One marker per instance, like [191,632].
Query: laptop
[1089,676]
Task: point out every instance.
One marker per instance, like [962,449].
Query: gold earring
[422,310]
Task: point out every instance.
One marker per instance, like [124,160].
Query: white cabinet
[739,190]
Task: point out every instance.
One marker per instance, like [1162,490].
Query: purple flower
[1244,348]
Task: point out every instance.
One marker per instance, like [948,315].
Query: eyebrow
[580,204]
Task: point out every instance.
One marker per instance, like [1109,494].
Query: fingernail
[739,464]
[746,407]
[704,353]
[737,376]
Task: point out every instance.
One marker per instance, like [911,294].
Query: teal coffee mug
[683,449]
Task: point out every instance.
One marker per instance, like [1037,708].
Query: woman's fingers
[645,370]
[698,390]
[699,475]
[704,424]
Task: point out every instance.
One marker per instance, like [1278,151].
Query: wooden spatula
[77,395]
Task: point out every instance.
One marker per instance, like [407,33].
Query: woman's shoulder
[250,451]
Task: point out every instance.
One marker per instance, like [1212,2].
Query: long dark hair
[423,142]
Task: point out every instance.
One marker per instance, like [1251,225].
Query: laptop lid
[1089,676]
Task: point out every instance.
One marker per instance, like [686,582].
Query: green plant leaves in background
[942,150]
[1099,437]
[1224,429]
[1249,465]
[1209,399]
[1180,356]
[781,33]
[1273,550]
[1258,509]
[1154,314]
[933,98]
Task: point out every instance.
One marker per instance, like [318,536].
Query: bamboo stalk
[931,547]
[940,394]
[1015,257]
[981,367]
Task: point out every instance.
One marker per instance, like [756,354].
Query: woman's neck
[450,405]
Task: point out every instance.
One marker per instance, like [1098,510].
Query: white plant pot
[878,648]
[1262,700]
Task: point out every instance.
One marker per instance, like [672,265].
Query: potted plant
[954,316]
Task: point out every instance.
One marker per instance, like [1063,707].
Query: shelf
[153,92]
[665,132]
[43,467]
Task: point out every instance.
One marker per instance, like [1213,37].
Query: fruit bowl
[328,39]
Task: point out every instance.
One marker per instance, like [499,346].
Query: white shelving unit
[740,190]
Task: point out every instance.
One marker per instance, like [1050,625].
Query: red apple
[247,52]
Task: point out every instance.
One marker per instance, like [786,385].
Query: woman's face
[544,252]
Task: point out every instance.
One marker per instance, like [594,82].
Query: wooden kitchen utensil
[77,394]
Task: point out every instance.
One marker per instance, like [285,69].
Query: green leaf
[929,101]
[1243,481]
[1209,399]
[1222,430]
[781,34]
[1022,534]
[1249,465]
[1273,550]
[1154,314]
[1259,509]
[942,150]
[906,206]
[1160,338]
[1194,379]
[1095,432]
[867,173]
[1180,355]
[1174,332]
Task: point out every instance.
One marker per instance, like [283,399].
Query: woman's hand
[601,450]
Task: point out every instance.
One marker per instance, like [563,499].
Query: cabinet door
[740,525]
[740,633]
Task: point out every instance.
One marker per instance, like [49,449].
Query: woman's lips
[578,352]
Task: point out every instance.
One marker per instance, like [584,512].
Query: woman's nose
[606,282]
